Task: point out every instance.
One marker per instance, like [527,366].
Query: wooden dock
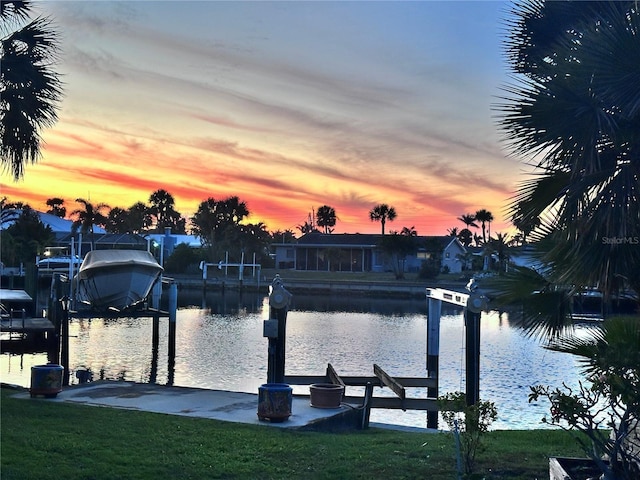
[27,325]
[16,316]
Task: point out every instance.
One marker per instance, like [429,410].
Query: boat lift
[204,266]
[473,302]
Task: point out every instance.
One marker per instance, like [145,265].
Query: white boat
[116,279]
[58,260]
[62,263]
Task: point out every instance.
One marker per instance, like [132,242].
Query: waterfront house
[358,252]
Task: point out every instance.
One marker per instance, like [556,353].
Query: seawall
[400,288]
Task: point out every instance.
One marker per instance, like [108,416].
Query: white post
[72,267]
[254,264]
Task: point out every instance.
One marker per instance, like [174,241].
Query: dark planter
[46,380]
[274,402]
[326,395]
[565,468]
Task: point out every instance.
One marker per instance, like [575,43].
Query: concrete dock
[193,402]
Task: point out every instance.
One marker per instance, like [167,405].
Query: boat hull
[116,279]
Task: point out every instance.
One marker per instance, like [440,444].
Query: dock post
[65,303]
[472,313]
[173,308]
[279,299]
[433,355]
[155,342]
[472,364]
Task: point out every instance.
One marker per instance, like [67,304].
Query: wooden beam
[389,381]
[407,382]
[333,376]
[428,404]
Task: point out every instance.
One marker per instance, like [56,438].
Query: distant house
[99,240]
[360,253]
[169,241]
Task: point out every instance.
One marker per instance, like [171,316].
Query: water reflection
[220,345]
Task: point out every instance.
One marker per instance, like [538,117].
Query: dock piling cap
[476,303]
[279,297]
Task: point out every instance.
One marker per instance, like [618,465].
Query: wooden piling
[433,355]
[173,309]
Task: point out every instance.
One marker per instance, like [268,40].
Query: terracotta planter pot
[326,395]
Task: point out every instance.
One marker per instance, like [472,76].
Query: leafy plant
[611,358]
[477,419]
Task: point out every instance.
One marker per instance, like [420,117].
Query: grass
[51,440]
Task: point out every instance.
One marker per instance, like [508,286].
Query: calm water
[219,345]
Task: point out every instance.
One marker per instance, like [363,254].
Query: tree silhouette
[217,223]
[465,235]
[381,213]
[484,217]
[326,218]
[87,217]
[57,207]
[8,211]
[162,208]
[30,88]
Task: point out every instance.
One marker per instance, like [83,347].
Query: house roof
[100,240]
[338,239]
[57,224]
[320,240]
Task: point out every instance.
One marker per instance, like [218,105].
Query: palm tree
[381,213]
[326,217]
[484,217]
[575,113]
[139,218]
[465,235]
[469,219]
[56,207]
[409,231]
[8,211]
[87,217]
[452,232]
[499,245]
[162,209]
[233,210]
[29,87]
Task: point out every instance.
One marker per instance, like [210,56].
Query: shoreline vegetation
[49,440]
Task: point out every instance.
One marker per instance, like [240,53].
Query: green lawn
[50,440]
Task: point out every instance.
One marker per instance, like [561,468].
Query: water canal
[219,345]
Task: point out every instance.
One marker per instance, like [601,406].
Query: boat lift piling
[276,330]
[473,303]
[173,308]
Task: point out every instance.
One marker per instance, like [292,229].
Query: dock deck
[26,325]
[204,403]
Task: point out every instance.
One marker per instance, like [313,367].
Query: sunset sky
[288,105]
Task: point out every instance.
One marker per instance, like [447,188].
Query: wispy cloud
[289,105]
